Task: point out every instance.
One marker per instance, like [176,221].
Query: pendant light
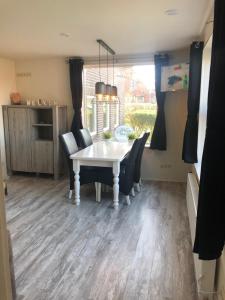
[108,87]
[100,87]
[114,88]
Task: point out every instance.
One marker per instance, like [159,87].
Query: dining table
[101,154]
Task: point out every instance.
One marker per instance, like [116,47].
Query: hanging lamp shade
[100,88]
[114,91]
[108,90]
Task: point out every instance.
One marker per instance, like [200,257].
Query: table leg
[76,169]
[116,172]
[98,191]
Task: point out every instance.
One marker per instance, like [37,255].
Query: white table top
[104,151]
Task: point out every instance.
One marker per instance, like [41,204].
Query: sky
[146,74]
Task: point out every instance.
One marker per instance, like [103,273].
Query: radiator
[204,270]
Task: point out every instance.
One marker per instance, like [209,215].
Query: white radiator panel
[204,270]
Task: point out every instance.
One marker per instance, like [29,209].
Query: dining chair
[87,174]
[126,176]
[137,171]
[85,137]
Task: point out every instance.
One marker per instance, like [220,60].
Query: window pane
[90,112]
[106,116]
[89,104]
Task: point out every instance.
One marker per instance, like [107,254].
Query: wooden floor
[64,252]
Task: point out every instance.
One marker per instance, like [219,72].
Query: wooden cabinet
[42,149]
[19,139]
[32,138]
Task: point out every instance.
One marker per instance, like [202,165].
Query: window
[139,98]
[89,104]
[105,116]
[137,101]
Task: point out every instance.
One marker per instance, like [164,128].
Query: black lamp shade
[100,88]
[108,89]
[114,91]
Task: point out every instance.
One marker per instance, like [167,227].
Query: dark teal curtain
[76,70]
[210,228]
[158,141]
[189,154]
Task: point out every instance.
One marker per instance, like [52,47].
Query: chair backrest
[85,137]
[132,157]
[137,172]
[69,143]
[127,176]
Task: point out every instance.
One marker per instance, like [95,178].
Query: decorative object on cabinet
[15,98]
[32,138]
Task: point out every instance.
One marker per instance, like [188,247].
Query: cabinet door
[19,139]
[42,156]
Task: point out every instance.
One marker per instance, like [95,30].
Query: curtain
[158,141]
[189,154]
[76,69]
[210,227]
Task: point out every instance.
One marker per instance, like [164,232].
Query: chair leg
[132,192]
[98,191]
[138,187]
[128,199]
[70,194]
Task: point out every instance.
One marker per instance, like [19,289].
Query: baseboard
[221,279]
[164,179]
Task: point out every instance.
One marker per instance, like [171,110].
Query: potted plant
[131,136]
[107,135]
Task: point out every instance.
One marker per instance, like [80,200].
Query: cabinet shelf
[43,140]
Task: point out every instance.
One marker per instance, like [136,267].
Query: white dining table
[101,154]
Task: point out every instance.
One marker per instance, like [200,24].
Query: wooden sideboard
[32,138]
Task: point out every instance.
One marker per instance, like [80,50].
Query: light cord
[113,70]
[107,67]
[99,61]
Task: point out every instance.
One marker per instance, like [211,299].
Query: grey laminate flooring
[64,252]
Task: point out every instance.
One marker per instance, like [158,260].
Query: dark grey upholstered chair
[85,137]
[127,169]
[137,172]
[87,174]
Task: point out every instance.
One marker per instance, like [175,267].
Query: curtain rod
[120,59]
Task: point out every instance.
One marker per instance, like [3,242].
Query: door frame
[5,281]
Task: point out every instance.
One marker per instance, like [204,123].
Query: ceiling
[31,28]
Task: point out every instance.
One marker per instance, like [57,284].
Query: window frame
[84,106]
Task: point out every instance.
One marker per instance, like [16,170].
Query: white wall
[49,78]
[7,85]
[168,165]
[46,79]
